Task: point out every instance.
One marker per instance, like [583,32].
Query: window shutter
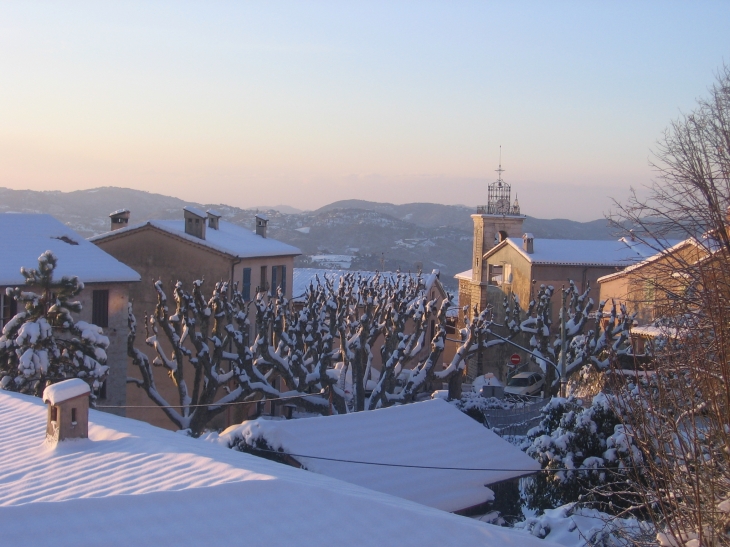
[246,284]
[283,280]
[100,308]
[274,271]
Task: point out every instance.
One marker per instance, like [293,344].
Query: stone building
[200,245]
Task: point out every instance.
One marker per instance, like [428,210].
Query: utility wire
[410,466]
[215,404]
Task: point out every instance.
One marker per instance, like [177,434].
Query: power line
[214,404]
[411,466]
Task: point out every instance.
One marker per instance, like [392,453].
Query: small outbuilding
[68,410]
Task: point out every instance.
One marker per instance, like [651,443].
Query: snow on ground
[340,261]
[131,483]
[27,236]
[429,433]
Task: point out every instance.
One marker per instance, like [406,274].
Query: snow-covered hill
[366,235]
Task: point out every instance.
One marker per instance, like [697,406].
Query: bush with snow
[576,526]
[475,406]
[43,344]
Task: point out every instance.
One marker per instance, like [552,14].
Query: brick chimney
[528,243]
[120,219]
[194,221]
[68,410]
[262,221]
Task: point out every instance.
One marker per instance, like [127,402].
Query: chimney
[213,218]
[120,218]
[194,222]
[528,243]
[68,410]
[262,222]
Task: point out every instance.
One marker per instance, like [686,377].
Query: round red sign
[515,359]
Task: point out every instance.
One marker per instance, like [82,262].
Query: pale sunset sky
[304,103]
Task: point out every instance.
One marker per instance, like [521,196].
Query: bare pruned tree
[680,415]
[320,354]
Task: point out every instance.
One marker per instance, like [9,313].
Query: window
[9,309]
[54,413]
[246,289]
[278,278]
[100,308]
[73,416]
[495,274]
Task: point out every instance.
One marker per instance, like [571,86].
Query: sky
[305,103]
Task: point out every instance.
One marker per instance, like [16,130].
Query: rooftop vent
[528,243]
[120,218]
[68,410]
[213,218]
[194,222]
[262,221]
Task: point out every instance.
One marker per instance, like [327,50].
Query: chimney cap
[213,213]
[528,235]
[63,391]
[195,211]
[119,212]
[262,216]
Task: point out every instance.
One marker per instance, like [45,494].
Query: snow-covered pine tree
[43,344]
[589,455]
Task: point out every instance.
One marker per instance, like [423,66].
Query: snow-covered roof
[213,212]
[465,275]
[24,237]
[656,255]
[429,433]
[650,331]
[131,483]
[304,276]
[63,391]
[229,239]
[581,252]
[195,211]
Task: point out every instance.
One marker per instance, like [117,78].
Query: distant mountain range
[352,234]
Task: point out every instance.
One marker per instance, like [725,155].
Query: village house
[107,284]
[200,245]
[130,483]
[651,289]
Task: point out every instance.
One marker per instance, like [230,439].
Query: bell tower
[493,222]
